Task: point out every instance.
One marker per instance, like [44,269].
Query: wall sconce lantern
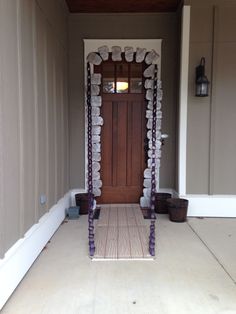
[202,83]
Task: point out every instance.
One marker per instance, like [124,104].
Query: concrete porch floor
[194,273]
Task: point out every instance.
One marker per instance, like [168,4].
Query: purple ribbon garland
[90,174]
[90,166]
[153,168]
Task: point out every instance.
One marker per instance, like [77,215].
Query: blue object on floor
[73,212]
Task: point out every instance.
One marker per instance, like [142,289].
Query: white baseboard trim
[211,205]
[199,205]
[19,258]
[171,191]
[145,201]
[204,205]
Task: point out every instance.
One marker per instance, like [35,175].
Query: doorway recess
[148,51]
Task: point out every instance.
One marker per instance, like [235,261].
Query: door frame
[92,45]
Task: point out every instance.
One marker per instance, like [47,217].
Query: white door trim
[92,45]
[183,100]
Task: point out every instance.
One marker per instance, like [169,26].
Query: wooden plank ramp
[121,233]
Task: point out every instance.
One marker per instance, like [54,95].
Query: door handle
[163,137]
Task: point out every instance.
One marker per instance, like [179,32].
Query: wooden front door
[123,133]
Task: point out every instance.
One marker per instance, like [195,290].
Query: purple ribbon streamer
[90,166]
[153,169]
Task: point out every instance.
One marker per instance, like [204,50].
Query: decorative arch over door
[95,122]
[148,51]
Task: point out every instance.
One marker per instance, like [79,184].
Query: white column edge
[183,100]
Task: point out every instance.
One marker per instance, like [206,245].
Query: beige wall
[211,147]
[33,113]
[123,26]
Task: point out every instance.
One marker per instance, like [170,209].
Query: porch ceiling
[133,6]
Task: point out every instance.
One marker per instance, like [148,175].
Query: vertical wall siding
[2,230]
[65,131]
[126,26]
[28,112]
[10,125]
[41,63]
[198,133]
[211,146]
[223,171]
[33,114]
